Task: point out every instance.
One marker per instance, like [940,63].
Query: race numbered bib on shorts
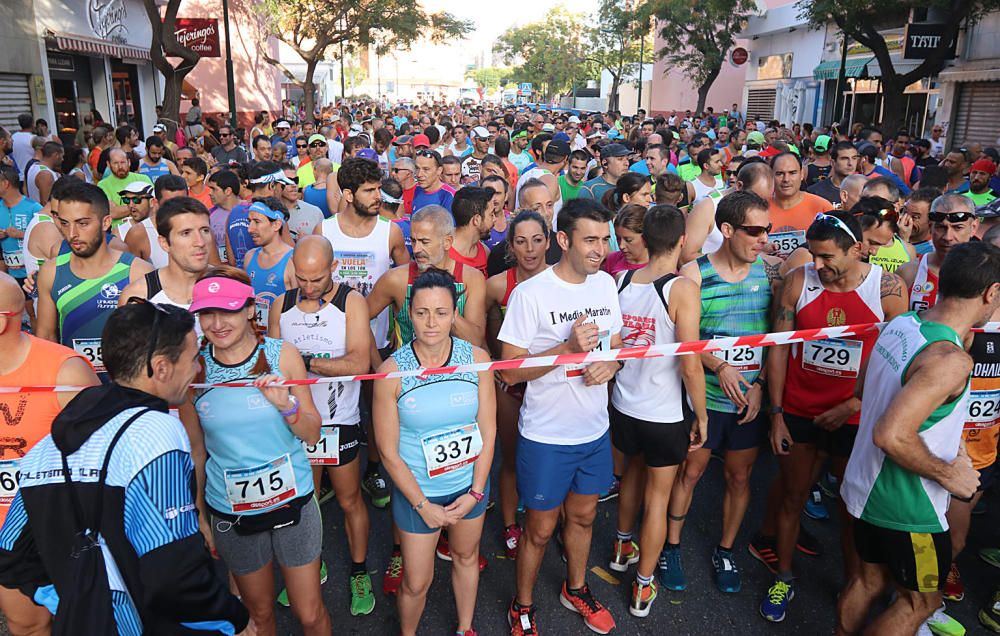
[10,475]
[448,451]
[983,409]
[90,348]
[837,358]
[261,487]
[787,242]
[742,359]
[13,260]
[603,344]
[325,452]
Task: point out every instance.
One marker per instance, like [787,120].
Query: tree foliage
[861,21]
[164,44]
[490,78]
[614,44]
[548,53]
[697,36]
[311,27]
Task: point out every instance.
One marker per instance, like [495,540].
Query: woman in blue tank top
[255,482]
[437,435]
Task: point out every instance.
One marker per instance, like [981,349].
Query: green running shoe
[941,624]
[989,615]
[991,556]
[283,596]
[377,488]
[362,597]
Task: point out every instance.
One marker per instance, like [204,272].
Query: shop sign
[201,35]
[107,20]
[739,56]
[924,39]
[59,62]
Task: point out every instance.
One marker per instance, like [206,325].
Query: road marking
[604,575]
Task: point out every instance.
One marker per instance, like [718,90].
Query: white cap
[548,127]
[573,119]
[481,132]
[158,127]
[282,124]
[594,134]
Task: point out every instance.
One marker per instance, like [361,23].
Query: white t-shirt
[21,149]
[335,151]
[303,219]
[558,408]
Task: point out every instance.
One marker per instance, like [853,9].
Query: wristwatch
[307,359]
[775,410]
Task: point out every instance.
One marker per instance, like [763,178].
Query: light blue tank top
[255,463]
[154,172]
[438,434]
[268,284]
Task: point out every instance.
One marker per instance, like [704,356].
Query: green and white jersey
[876,489]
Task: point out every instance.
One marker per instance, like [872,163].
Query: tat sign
[201,35]
[924,39]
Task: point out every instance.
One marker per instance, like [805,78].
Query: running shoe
[283,595]
[642,598]
[991,556]
[775,604]
[829,485]
[362,597]
[989,615]
[326,493]
[670,570]
[940,624]
[624,554]
[727,575]
[393,576]
[612,490]
[765,549]
[444,552]
[808,543]
[954,589]
[595,616]
[815,508]
[511,540]
[377,488]
[522,621]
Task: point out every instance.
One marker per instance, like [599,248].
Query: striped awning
[92,46]
[830,69]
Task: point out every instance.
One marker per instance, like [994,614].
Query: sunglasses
[755,230]
[318,144]
[826,219]
[294,180]
[888,213]
[222,134]
[401,170]
[154,332]
[428,153]
[127,200]
[951,217]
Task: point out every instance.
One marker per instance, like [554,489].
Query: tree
[165,44]
[697,36]
[614,41]
[490,78]
[860,20]
[549,53]
[311,27]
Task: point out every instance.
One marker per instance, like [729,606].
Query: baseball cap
[218,292]
[421,140]
[868,149]
[573,119]
[755,137]
[402,140]
[159,128]
[769,152]
[357,128]
[261,208]
[137,187]
[614,150]
[595,134]
[281,123]
[548,127]
[614,134]
[317,137]
[560,136]
[274,177]
[480,132]
[557,150]
[989,211]
[822,143]
[983,165]
[367,153]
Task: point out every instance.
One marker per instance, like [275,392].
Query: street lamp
[230,80]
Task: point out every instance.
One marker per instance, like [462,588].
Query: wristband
[307,359]
[759,380]
[719,368]
[420,506]
[293,409]
[775,410]
[478,496]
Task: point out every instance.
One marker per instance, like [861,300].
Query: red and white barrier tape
[634,353]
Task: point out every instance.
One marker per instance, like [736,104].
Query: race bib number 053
[836,358]
[448,451]
[261,487]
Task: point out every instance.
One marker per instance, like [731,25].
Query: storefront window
[124,83]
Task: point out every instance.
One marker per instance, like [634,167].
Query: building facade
[970,87]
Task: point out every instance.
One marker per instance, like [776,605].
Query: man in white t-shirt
[21,143]
[564,449]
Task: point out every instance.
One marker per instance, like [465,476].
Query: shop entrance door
[125,86]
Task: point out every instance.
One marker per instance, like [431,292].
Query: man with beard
[472,163]
[78,290]
[979,182]
[115,182]
[473,221]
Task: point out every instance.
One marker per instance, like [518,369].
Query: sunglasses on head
[135,199]
[755,230]
[153,333]
[827,219]
[887,213]
[951,217]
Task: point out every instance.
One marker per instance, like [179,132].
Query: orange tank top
[25,418]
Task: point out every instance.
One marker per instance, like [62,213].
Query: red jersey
[923,292]
[408,200]
[822,373]
[477,262]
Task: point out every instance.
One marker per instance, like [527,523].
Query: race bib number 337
[448,451]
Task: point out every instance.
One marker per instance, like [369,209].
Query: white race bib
[603,344]
[984,409]
[787,242]
[13,260]
[90,348]
[260,487]
[741,358]
[838,358]
[451,450]
[10,475]
[325,452]
[262,305]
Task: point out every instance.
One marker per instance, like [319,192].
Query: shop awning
[974,71]
[830,69]
[92,46]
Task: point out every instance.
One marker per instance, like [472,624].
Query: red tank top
[923,292]
[477,262]
[822,373]
[27,417]
[415,271]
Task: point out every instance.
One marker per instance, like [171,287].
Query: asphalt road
[702,609]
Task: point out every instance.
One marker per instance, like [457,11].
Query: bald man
[850,190]
[28,361]
[115,183]
[328,322]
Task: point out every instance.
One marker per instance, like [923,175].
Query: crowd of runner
[397,239]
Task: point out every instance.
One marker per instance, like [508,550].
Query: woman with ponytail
[255,486]
[628,228]
[631,187]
